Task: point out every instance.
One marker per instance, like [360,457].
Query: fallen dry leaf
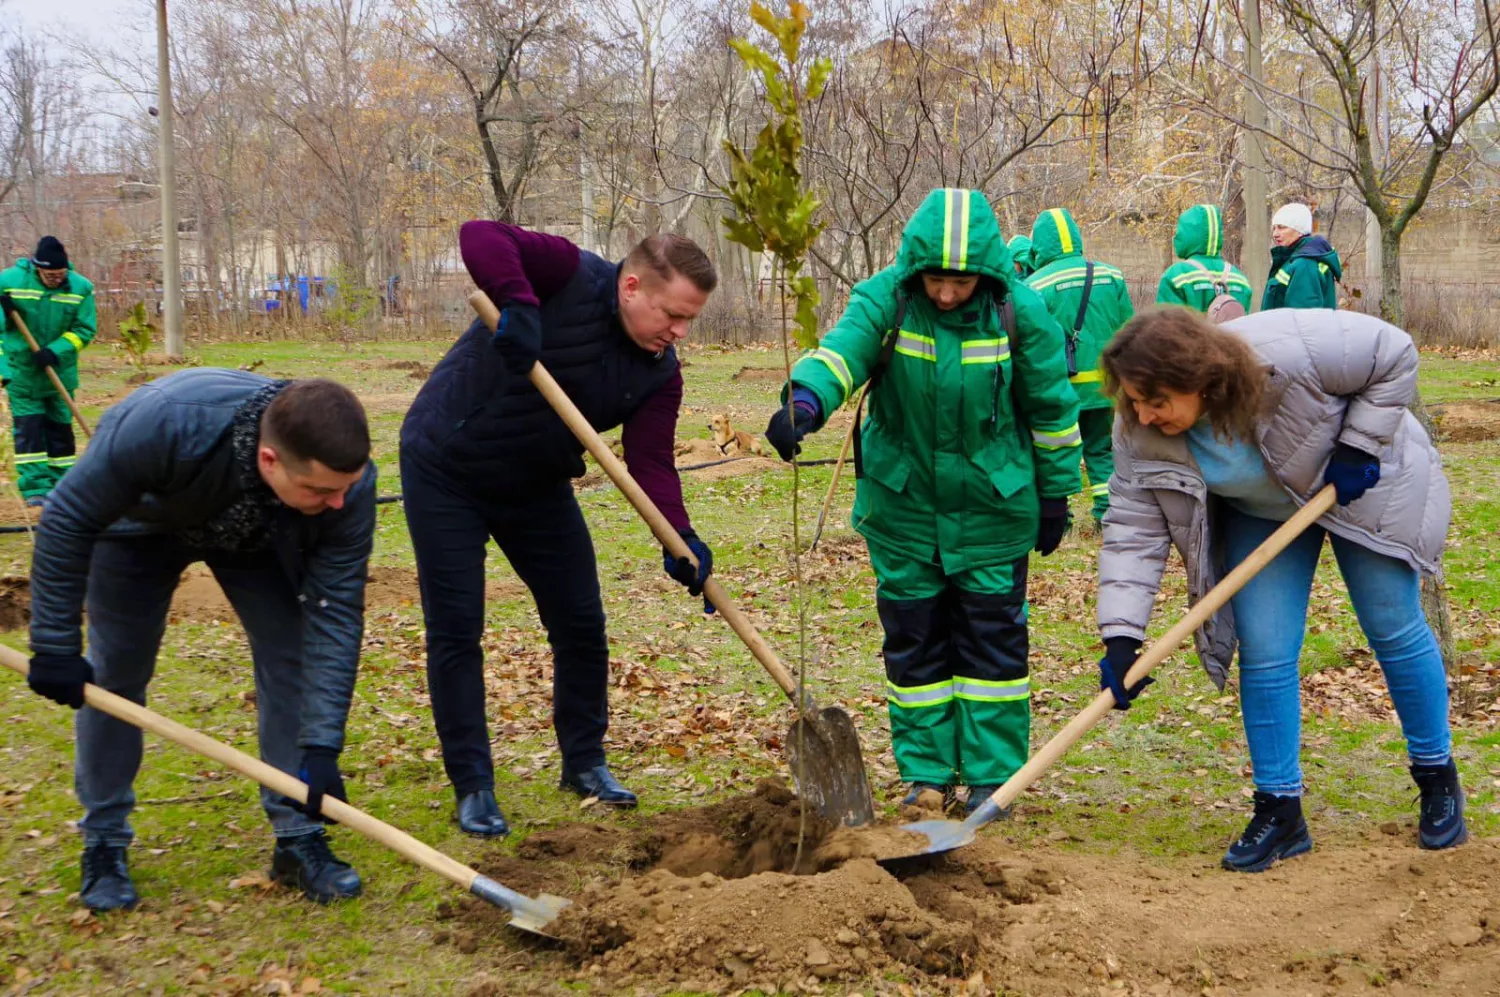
[257,880]
[310,985]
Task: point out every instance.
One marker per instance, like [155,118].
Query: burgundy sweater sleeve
[650,437]
[513,265]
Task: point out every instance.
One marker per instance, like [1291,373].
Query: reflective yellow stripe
[30,458]
[68,299]
[955,228]
[835,363]
[963,239]
[917,696]
[910,344]
[75,339]
[1322,268]
[30,294]
[984,691]
[1215,228]
[1283,277]
[1087,377]
[1099,489]
[67,461]
[1063,235]
[985,351]
[1069,437]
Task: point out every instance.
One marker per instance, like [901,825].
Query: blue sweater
[1236,471]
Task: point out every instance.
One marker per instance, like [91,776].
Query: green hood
[1054,235]
[1020,250]
[954,229]
[1200,232]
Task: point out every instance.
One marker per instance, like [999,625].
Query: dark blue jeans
[1270,615]
[129,592]
[541,531]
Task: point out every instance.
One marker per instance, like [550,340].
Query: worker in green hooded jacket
[964,466]
[1304,267]
[57,305]
[1020,255]
[1201,273]
[1089,323]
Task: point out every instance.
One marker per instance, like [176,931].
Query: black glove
[681,570]
[786,429]
[1119,654]
[320,770]
[7,304]
[1351,472]
[519,338]
[1053,525]
[44,357]
[60,677]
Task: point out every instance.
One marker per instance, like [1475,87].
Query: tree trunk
[1392,308]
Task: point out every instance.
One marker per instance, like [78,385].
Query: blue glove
[519,337]
[320,770]
[1052,525]
[1119,654]
[60,677]
[681,570]
[44,357]
[1351,472]
[786,429]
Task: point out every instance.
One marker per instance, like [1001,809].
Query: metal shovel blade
[946,835]
[529,914]
[828,767]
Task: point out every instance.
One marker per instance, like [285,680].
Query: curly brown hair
[1180,350]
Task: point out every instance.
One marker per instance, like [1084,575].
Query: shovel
[946,835]
[530,914]
[823,745]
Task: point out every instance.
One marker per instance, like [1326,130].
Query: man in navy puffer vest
[484,456]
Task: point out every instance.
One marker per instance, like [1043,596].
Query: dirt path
[699,900]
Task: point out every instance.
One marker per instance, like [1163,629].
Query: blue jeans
[129,592]
[1270,615]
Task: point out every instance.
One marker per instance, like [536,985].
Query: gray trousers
[129,592]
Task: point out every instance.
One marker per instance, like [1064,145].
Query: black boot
[306,862]
[976,798]
[1442,821]
[1277,831]
[479,815]
[598,783]
[106,879]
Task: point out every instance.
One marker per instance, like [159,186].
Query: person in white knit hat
[1304,267]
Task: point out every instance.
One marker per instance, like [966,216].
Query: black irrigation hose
[390,499]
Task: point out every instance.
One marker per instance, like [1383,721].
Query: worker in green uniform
[1090,300]
[57,306]
[1201,273]
[1304,267]
[1020,255]
[964,466]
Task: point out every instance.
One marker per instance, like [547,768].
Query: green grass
[1165,779]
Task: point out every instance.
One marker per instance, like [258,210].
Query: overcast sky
[89,14]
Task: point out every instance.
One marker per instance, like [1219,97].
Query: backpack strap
[1071,339]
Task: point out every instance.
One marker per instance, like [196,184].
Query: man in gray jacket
[270,484]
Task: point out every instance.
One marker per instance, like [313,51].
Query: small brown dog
[730,441]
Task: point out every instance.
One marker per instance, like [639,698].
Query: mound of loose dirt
[1468,422]
[759,374]
[688,901]
[15,602]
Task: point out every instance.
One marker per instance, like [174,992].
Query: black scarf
[245,524]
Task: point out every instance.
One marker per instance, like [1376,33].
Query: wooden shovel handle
[376,830]
[20,323]
[1210,604]
[665,532]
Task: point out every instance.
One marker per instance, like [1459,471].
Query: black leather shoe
[479,815]
[597,783]
[106,879]
[306,862]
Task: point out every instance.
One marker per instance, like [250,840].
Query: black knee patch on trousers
[59,438]
[990,639]
[917,639]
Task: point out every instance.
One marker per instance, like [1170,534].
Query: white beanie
[1297,217]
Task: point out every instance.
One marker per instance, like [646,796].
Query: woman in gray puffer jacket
[1223,431]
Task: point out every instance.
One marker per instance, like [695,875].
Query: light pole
[171,260]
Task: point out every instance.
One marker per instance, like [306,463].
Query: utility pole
[1375,115]
[171,259]
[1255,256]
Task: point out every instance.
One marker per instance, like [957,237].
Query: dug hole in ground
[706,901]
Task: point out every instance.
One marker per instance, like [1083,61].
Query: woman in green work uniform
[968,455]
